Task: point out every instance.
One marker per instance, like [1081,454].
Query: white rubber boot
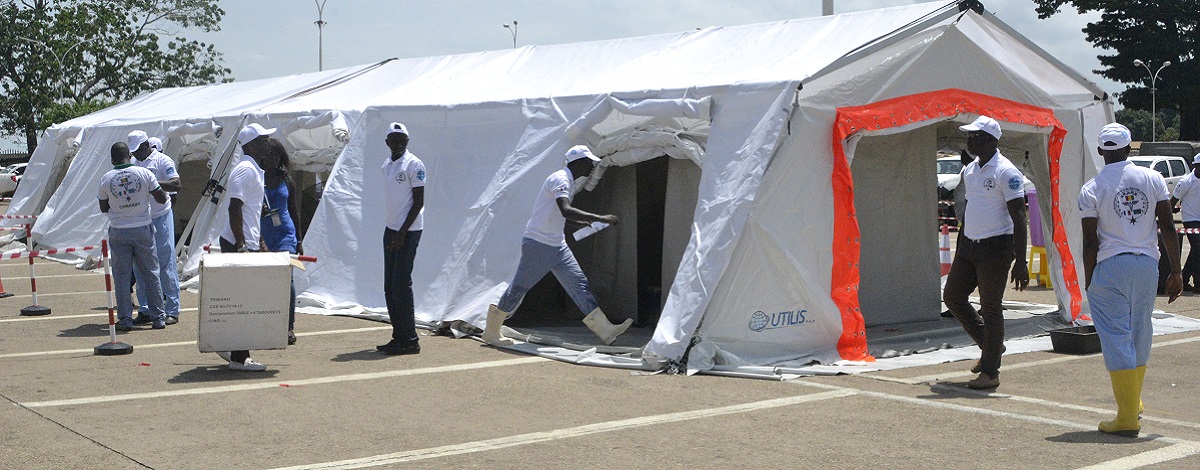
[599,324]
[491,332]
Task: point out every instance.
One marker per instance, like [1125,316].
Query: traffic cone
[3,294]
[944,250]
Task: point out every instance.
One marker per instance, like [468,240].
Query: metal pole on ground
[112,347]
[34,310]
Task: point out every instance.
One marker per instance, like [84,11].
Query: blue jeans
[536,260]
[1122,297]
[397,284]
[168,275]
[133,251]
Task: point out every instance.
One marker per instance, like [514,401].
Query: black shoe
[402,349]
[291,338]
[947,314]
[172,320]
[389,344]
[143,319]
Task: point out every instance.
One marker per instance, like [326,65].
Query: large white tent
[796,207]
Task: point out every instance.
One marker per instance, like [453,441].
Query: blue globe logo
[758,321]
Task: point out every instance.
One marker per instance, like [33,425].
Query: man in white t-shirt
[544,249]
[1119,208]
[992,236]
[404,193]
[163,222]
[124,196]
[245,187]
[1187,196]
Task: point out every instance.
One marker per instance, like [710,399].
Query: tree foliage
[1154,32]
[1166,124]
[62,57]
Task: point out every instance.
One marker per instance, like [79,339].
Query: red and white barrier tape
[22,254]
[18,216]
[19,227]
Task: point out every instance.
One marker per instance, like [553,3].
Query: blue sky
[268,38]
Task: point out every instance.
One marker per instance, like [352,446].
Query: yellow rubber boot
[1141,379]
[1127,391]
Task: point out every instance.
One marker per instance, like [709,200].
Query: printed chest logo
[1131,203]
[989,184]
[125,186]
[400,177]
[761,321]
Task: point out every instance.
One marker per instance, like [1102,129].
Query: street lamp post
[1153,95]
[62,79]
[320,34]
[512,29]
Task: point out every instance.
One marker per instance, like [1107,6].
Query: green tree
[60,59]
[1138,122]
[1154,32]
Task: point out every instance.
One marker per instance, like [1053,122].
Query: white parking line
[62,317]
[1022,365]
[275,384]
[567,433]
[186,343]
[1165,454]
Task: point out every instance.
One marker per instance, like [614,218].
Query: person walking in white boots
[544,249]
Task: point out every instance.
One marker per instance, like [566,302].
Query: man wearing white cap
[1119,208]
[404,195]
[246,191]
[124,196]
[993,235]
[163,221]
[544,249]
[1187,196]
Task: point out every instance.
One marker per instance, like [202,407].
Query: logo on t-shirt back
[125,185]
[1131,203]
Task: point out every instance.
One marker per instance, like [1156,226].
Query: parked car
[1171,168]
[10,177]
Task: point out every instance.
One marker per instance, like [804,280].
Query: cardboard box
[244,301]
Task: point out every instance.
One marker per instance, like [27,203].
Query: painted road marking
[275,384]
[572,432]
[186,343]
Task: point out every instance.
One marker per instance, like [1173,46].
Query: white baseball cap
[580,151]
[985,124]
[1114,137]
[397,128]
[1196,159]
[253,131]
[156,143]
[136,139]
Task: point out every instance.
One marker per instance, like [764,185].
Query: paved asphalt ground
[333,402]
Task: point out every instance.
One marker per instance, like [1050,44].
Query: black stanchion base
[113,349]
[5,295]
[35,311]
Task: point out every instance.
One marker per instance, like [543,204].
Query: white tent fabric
[752,107]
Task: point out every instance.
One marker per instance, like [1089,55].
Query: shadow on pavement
[364,355]
[219,373]
[87,331]
[1097,437]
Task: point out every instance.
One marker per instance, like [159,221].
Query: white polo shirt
[164,169]
[246,183]
[547,223]
[1123,198]
[1187,191]
[400,176]
[989,188]
[127,189]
